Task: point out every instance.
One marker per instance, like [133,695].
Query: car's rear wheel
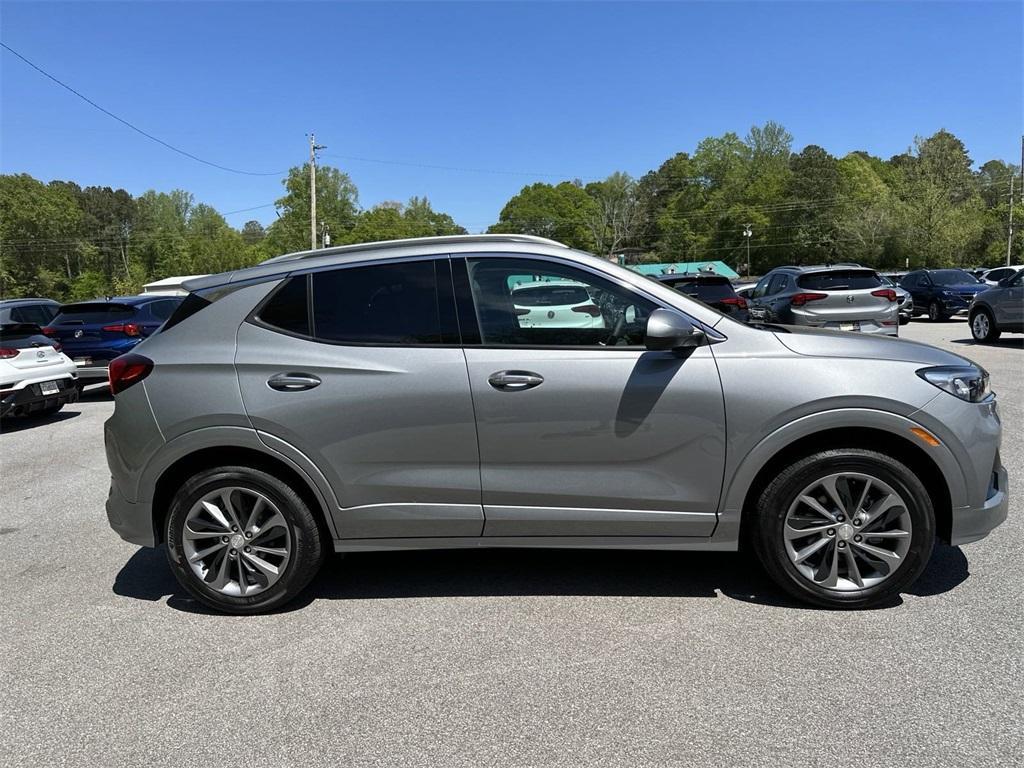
[983,326]
[935,313]
[845,528]
[242,541]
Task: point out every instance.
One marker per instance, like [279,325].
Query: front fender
[738,485]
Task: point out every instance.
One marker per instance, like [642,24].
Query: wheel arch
[171,478]
[932,465]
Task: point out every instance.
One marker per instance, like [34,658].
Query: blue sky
[539,91]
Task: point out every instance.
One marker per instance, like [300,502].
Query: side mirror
[668,330]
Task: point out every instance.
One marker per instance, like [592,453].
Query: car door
[360,369]
[1009,306]
[582,431]
[758,308]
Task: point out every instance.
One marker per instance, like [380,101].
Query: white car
[36,378]
[555,304]
[993,276]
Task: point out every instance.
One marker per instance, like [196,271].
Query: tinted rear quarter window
[379,304]
[839,280]
[288,307]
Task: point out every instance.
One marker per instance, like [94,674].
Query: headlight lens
[968,382]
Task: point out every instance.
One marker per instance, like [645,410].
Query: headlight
[968,382]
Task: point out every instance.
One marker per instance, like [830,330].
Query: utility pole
[748,233]
[313,147]
[1009,238]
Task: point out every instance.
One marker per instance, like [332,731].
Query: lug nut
[233,552]
[842,544]
[234,528]
[248,534]
[856,538]
[840,518]
[831,531]
[248,549]
[224,539]
[856,521]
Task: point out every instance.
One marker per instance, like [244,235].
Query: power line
[135,128]
[453,168]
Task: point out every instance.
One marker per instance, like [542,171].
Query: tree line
[925,207]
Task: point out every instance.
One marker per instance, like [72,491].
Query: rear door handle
[293,382]
[514,381]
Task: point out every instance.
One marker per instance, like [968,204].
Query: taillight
[588,309]
[885,293]
[799,299]
[57,346]
[520,311]
[6,353]
[738,302]
[49,331]
[128,329]
[126,370]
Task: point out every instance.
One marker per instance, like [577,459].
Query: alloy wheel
[980,326]
[236,541]
[847,531]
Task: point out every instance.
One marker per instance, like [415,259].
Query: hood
[818,342]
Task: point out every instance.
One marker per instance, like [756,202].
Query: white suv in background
[36,378]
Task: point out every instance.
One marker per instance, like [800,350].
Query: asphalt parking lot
[492,657]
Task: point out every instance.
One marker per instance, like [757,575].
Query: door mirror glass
[670,330]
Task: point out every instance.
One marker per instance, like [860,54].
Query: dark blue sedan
[941,293]
[93,333]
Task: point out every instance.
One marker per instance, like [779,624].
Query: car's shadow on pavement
[513,573]
[12,424]
[1011,343]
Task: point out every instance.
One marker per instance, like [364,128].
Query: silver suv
[843,297]
[999,309]
[390,396]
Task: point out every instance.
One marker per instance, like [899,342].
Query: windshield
[550,295]
[953,277]
[93,313]
[839,280]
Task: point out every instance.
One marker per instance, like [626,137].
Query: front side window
[378,304]
[762,287]
[526,302]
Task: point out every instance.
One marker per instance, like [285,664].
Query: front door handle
[293,382]
[514,381]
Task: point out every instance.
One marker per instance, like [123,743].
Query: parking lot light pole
[748,233]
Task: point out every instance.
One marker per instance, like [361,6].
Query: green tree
[559,212]
[336,207]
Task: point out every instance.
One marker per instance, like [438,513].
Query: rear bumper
[973,523]
[133,521]
[29,400]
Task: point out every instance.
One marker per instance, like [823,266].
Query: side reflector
[926,437]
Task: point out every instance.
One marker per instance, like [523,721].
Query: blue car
[93,333]
[941,293]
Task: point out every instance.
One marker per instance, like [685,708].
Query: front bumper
[131,520]
[30,399]
[973,523]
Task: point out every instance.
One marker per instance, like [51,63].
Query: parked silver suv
[388,396]
[843,297]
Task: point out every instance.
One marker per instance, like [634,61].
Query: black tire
[985,336]
[904,319]
[935,313]
[775,501]
[308,542]
[49,411]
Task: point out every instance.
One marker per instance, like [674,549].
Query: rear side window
[161,310]
[37,314]
[839,280]
[778,284]
[288,308]
[379,304]
[93,313]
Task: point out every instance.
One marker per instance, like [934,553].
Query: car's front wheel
[845,528]
[935,313]
[983,326]
[242,541]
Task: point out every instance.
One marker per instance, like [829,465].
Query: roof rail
[410,241]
